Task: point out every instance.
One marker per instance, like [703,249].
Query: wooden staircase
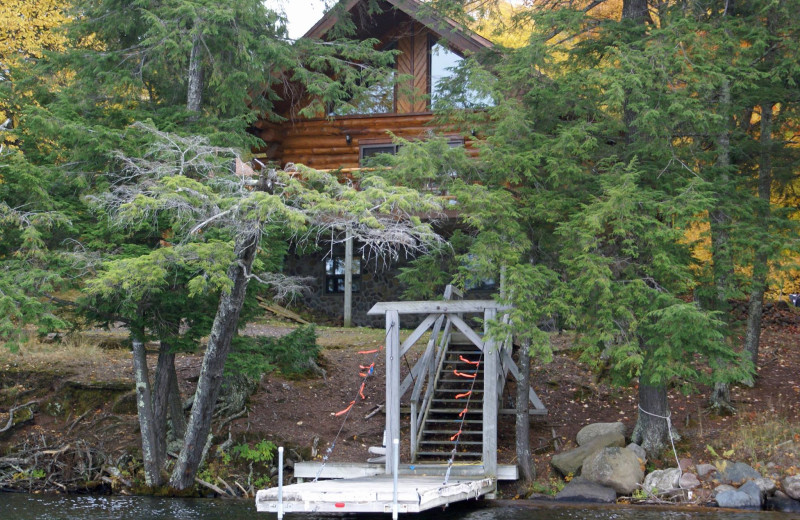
[450,411]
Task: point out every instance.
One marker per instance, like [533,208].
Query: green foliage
[294,354]
[262,452]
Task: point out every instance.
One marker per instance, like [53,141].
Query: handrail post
[396,467]
[280,483]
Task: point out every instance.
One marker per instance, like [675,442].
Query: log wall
[322,143]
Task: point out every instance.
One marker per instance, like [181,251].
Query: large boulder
[570,462]
[689,481]
[735,473]
[581,490]
[661,480]
[749,496]
[638,450]
[781,502]
[592,431]
[791,486]
[704,470]
[615,467]
[767,486]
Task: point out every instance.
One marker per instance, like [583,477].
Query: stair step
[466,421]
[460,443]
[451,432]
[447,454]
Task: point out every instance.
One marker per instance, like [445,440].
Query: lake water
[54,507]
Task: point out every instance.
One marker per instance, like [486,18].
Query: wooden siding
[412,95]
[322,143]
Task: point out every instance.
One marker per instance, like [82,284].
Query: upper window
[377,96]
[443,65]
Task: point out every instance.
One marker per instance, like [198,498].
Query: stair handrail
[419,410]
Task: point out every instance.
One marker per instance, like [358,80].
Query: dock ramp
[373,494]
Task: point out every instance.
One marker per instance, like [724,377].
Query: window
[443,65]
[376,98]
[334,274]
[369,150]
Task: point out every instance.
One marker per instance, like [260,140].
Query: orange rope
[454,437]
[370,351]
[465,360]
[465,394]
[361,390]
[461,374]
[463,412]
[346,409]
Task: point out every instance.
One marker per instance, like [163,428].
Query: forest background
[638,172]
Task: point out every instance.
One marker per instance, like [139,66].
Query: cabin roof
[457,36]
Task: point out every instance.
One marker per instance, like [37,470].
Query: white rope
[669,430]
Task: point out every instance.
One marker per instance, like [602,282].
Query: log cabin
[426,45]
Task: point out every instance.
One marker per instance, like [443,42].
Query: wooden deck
[373,494]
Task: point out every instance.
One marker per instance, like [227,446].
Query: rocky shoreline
[602,469]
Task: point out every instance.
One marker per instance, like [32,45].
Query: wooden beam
[468,332]
[421,329]
[490,398]
[348,279]
[441,307]
[392,384]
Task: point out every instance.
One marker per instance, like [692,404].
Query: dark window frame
[334,282]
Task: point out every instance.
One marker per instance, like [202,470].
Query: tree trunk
[652,431]
[721,256]
[760,266]
[219,343]
[176,414]
[194,95]
[635,10]
[144,405]
[523,424]
[165,367]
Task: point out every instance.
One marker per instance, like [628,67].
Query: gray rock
[689,481]
[581,490]
[736,473]
[783,504]
[570,462]
[685,464]
[791,486]
[723,488]
[766,485]
[615,467]
[704,470]
[737,500]
[661,480]
[592,431]
[752,489]
[638,450]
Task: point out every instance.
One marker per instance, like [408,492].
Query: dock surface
[373,494]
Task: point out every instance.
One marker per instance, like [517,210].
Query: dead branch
[11,411]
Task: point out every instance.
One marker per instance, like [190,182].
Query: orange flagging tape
[370,351]
[361,390]
[465,394]
[465,360]
[346,409]
[454,437]
[461,374]
[465,410]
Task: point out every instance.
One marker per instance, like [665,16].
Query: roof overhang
[457,36]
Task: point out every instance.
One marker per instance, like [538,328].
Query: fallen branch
[212,487]
[11,411]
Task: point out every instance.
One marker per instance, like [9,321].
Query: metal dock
[373,494]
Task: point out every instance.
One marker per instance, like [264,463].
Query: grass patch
[762,437]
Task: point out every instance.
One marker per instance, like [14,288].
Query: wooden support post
[348,279]
[392,385]
[490,398]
